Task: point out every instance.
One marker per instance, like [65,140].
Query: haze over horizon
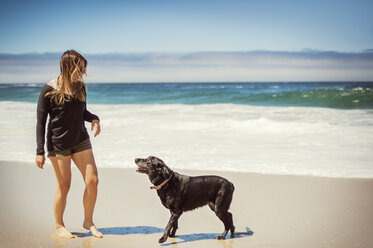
[182,41]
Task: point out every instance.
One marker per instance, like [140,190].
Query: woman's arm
[41,114]
[96,124]
[88,116]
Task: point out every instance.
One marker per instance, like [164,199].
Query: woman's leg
[85,162]
[62,169]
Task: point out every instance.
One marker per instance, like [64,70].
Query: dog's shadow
[123,231]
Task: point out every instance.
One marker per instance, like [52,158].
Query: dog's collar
[162,184]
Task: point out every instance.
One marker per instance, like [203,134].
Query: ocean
[319,129]
[345,95]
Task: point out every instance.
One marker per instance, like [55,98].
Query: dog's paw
[162,239]
[220,237]
[232,235]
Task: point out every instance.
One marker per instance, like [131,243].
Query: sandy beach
[282,211]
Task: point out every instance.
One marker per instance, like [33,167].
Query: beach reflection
[173,243]
[59,242]
[88,242]
[226,243]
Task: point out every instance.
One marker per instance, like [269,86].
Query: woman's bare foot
[92,228]
[62,232]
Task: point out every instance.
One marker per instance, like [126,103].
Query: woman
[64,100]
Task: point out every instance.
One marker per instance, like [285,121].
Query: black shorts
[85,145]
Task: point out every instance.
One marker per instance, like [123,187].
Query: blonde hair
[70,65]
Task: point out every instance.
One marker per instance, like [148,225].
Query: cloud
[307,65]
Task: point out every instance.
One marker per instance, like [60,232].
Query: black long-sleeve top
[66,122]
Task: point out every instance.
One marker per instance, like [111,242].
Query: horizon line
[305,50]
[217,82]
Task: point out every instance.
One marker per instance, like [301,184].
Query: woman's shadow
[123,231]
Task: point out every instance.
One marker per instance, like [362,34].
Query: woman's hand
[40,160]
[96,124]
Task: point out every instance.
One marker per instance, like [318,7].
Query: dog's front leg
[175,214]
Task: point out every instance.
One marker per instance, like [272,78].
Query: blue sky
[189,27]
[185,26]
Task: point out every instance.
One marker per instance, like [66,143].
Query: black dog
[181,193]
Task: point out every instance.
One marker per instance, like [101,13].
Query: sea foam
[219,137]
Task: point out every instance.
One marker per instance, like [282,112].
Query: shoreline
[281,210]
[205,171]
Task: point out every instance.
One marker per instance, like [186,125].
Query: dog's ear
[161,167]
[158,161]
[167,172]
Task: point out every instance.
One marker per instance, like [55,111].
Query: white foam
[275,140]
